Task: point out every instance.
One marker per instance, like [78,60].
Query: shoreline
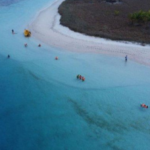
[46,28]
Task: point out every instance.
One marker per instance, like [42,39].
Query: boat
[27,33]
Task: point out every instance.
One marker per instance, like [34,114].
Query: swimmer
[80,77]
[56,58]
[83,78]
[8,56]
[25,45]
[39,45]
[12,31]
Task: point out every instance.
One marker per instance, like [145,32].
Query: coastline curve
[46,27]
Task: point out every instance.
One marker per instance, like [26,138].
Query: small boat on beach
[27,33]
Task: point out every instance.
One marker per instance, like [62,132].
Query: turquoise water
[44,107]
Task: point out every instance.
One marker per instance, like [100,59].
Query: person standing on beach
[126,58]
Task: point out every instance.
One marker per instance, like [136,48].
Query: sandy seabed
[46,28]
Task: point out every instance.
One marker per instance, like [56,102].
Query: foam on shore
[46,27]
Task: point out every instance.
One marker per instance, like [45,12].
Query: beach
[46,28]
[44,106]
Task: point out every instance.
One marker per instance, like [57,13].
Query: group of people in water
[80,77]
[25,45]
[144,106]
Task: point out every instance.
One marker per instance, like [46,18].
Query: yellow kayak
[27,33]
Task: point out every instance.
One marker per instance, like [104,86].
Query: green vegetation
[105,19]
[116,12]
[140,17]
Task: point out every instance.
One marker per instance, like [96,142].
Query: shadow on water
[118,127]
[33,75]
[99,121]
[115,126]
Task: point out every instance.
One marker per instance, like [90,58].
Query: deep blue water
[44,107]
[8,2]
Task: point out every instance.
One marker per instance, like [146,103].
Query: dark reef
[106,18]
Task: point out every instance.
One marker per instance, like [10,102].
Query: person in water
[126,58]
[78,76]
[8,56]
[25,45]
[12,31]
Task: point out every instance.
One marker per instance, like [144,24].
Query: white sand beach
[46,28]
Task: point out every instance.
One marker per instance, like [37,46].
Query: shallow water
[43,105]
